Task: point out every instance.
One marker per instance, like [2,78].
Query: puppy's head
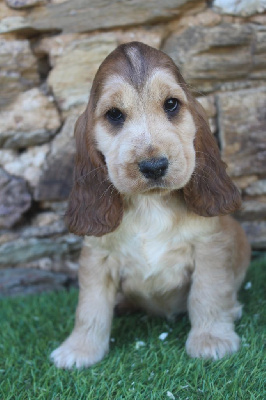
[142,132]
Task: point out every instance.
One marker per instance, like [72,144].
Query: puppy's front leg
[212,303]
[89,341]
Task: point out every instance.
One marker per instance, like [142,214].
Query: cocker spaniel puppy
[151,196]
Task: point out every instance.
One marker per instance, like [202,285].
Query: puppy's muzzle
[154,168]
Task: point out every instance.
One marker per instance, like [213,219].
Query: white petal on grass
[151,376]
[140,344]
[163,336]
[248,286]
[170,395]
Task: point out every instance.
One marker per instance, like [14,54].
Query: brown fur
[210,191]
[148,240]
[95,206]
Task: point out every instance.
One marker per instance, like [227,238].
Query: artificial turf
[139,365]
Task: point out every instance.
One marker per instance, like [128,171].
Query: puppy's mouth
[148,176]
[157,190]
[160,186]
[155,171]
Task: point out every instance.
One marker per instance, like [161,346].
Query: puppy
[151,196]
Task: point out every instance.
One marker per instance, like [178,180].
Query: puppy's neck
[155,200]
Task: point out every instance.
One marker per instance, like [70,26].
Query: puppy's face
[141,132]
[145,132]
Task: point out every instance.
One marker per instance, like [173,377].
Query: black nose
[154,168]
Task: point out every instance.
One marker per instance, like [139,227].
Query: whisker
[86,175]
[104,193]
[208,155]
[201,176]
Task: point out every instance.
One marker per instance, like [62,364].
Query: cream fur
[162,258]
[180,262]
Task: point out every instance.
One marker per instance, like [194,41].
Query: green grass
[31,327]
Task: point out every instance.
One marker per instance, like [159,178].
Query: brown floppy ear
[210,191]
[95,206]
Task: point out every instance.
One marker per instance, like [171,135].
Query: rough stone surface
[11,20]
[27,165]
[242,182]
[201,18]
[242,121]
[258,70]
[59,207]
[211,57]
[150,36]
[44,225]
[15,199]
[20,4]
[84,16]
[18,68]
[252,210]
[256,232]
[18,281]
[240,8]
[31,120]
[208,103]
[22,251]
[56,178]
[256,188]
[71,80]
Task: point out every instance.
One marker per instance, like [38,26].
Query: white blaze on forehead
[134,56]
[162,81]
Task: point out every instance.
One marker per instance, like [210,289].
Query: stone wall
[49,53]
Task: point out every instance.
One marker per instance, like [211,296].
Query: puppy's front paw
[74,353]
[212,345]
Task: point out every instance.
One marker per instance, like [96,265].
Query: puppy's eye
[171,106]
[115,115]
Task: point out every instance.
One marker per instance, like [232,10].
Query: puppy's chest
[154,256]
[154,266]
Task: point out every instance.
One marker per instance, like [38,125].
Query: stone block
[208,103]
[15,199]
[18,68]
[219,57]
[85,16]
[23,251]
[28,164]
[31,120]
[252,210]
[21,4]
[21,281]
[256,232]
[242,125]
[257,188]
[239,8]
[74,70]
